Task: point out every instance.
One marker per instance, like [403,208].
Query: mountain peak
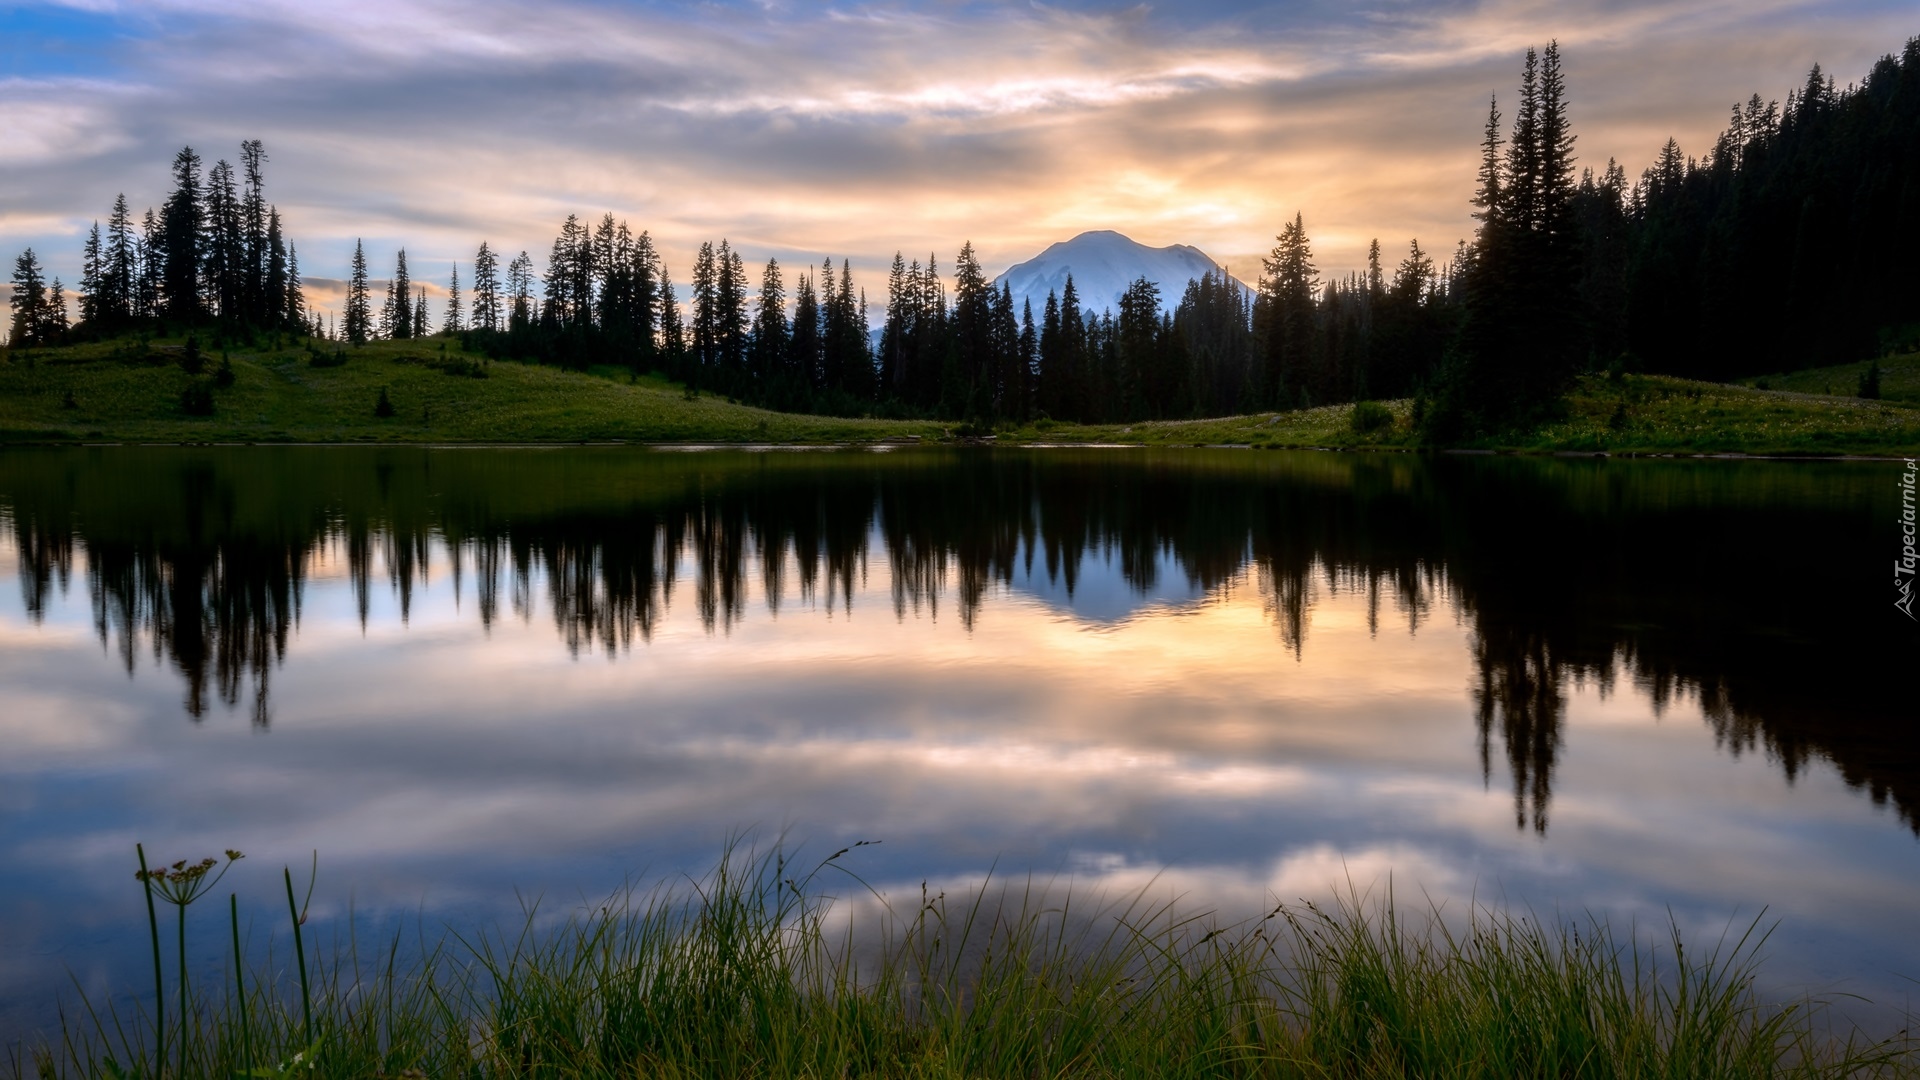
[1103,264]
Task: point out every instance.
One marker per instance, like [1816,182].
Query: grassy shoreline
[747,972]
[131,391]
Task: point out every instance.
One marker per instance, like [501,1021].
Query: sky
[807,131]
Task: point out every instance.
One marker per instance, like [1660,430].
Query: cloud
[804,131]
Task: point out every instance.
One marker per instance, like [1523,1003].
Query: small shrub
[66,400]
[1870,382]
[1368,417]
[1618,421]
[383,408]
[223,375]
[338,358]
[197,399]
[191,360]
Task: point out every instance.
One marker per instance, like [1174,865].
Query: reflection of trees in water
[1564,573]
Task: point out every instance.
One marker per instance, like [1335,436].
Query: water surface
[1640,689]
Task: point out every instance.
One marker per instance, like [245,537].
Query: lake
[1646,690]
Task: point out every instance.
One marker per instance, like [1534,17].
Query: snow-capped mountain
[1103,264]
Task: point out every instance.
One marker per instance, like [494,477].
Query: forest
[1783,247]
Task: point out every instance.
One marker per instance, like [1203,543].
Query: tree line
[214,253]
[1784,247]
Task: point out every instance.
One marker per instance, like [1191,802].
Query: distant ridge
[1103,263]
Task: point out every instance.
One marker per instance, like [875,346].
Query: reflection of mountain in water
[1749,587]
[1103,593]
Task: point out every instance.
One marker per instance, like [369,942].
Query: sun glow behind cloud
[803,131]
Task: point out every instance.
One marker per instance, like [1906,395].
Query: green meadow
[132,390]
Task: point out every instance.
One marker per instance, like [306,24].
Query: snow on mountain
[1103,264]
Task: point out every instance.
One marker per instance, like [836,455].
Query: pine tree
[225,270]
[804,346]
[1284,314]
[359,314]
[90,284]
[53,318]
[706,312]
[256,290]
[520,292]
[419,322]
[272,306]
[397,318]
[152,272]
[769,350]
[452,323]
[182,220]
[30,322]
[486,290]
[295,300]
[730,304]
[119,265]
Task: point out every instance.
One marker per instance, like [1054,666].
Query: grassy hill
[132,391]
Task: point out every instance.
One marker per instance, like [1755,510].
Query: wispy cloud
[801,131]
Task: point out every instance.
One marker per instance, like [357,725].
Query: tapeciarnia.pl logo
[1903,566]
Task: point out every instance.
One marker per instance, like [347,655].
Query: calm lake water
[1640,689]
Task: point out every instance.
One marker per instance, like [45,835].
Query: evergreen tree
[182,220]
[295,300]
[419,319]
[966,390]
[520,292]
[706,308]
[1284,316]
[260,303]
[452,323]
[486,290]
[272,304]
[53,317]
[730,314]
[119,266]
[31,322]
[359,314]
[152,271]
[770,344]
[804,345]
[224,268]
[396,321]
[90,284]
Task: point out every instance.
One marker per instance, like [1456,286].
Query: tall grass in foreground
[741,974]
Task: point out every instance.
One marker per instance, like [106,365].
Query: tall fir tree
[358,319]
[486,290]
[453,324]
[182,221]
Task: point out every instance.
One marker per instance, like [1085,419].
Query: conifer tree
[295,300]
[397,318]
[256,290]
[225,270]
[520,292]
[706,308]
[53,318]
[359,315]
[182,220]
[486,290]
[419,320]
[452,323]
[272,306]
[31,325]
[1284,315]
[804,345]
[119,265]
[90,278]
[152,268]
[769,350]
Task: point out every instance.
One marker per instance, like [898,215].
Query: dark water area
[1639,689]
